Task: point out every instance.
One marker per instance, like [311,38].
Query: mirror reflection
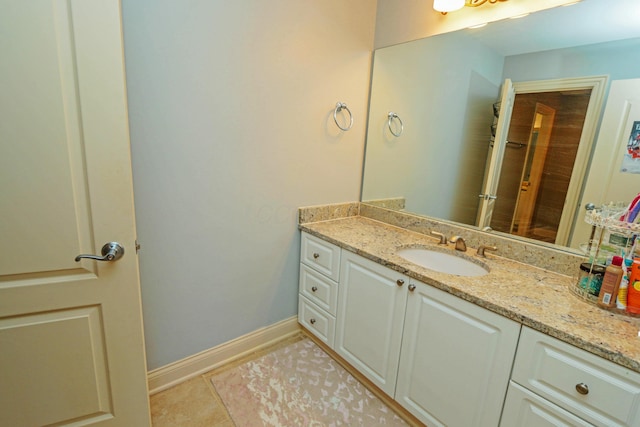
[540,154]
[519,166]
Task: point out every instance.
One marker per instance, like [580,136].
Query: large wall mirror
[437,106]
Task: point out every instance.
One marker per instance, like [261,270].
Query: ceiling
[587,22]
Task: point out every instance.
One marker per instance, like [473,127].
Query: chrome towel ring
[339,107]
[392,116]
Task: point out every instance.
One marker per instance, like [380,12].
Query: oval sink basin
[442,262]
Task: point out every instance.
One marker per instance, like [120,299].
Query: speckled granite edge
[309,214]
[548,258]
[532,296]
[395,203]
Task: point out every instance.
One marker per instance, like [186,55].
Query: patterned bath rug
[299,386]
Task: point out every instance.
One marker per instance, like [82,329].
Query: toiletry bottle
[595,279]
[610,283]
[633,293]
[621,301]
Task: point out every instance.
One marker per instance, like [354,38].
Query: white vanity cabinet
[449,362]
[318,287]
[456,359]
[595,390]
[370,318]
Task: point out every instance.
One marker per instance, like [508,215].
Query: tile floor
[195,403]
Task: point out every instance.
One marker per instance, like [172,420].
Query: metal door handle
[487,196]
[111,251]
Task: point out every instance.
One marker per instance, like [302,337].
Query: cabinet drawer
[556,371]
[319,289]
[525,409]
[318,322]
[320,255]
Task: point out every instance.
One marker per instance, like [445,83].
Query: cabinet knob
[316,255]
[412,288]
[400,282]
[582,388]
[312,321]
[314,288]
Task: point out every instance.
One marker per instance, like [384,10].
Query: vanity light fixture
[445,6]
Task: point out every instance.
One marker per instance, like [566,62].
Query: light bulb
[448,5]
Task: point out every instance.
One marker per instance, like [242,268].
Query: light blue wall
[612,58]
[231,122]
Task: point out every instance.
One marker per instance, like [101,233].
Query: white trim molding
[174,373]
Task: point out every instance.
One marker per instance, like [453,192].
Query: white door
[371,304]
[71,342]
[605,181]
[496,154]
[455,361]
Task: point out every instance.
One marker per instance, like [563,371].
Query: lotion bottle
[621,301]
[610,283]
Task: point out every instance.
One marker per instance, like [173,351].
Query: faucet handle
[483,248]
[442,237]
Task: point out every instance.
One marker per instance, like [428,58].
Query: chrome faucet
[460,244]
[483,248]
[442,237]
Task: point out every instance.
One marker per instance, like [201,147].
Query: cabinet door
[525,409]
[371,304]
[456,360]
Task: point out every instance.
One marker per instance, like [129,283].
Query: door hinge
[137,246]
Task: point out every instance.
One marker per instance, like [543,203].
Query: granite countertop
[532,296]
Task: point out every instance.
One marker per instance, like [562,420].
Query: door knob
[111,251]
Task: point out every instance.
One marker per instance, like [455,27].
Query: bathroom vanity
[512,347]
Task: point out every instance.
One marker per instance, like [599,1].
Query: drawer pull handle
[312,321]
[316,255]
[412,288]
[582,388]
[314,288]
[400,282]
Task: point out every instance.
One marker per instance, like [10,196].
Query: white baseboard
[167,376]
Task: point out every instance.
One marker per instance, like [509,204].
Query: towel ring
[392,116]
[339,107]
